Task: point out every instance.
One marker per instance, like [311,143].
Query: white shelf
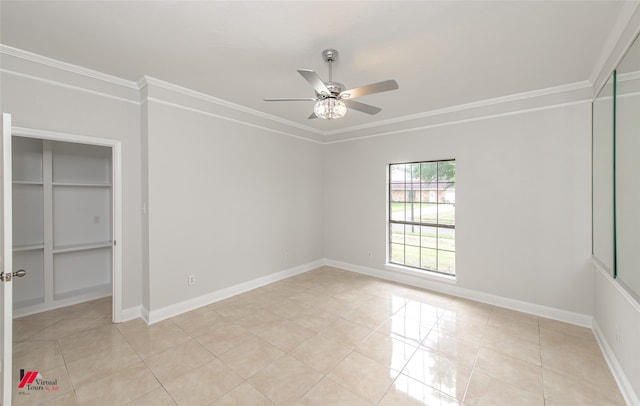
[28,303]
[94,292]
[30,247]
[82,247]
[62,223]
[81,184]
[28,182]
[29,307]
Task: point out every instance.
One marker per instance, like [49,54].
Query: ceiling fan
[331,98]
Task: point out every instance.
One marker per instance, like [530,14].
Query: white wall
[42,97]
[226,200]
[522,204]
[616,314]
[617,326]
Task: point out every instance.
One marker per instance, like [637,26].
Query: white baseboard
[144,314]
[131,313]
[579,319]
[155,316]
[624,385]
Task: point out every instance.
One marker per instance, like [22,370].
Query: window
[422,226]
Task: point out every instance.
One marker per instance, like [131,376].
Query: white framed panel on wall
[627,166]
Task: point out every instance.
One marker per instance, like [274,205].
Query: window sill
[421,274]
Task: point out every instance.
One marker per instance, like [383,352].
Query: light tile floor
[325,337]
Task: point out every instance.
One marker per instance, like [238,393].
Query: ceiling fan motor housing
[330,55]
[335,88]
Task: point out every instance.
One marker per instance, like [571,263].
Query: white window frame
[403,267]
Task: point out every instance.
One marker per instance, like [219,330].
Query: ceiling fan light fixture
[330,109]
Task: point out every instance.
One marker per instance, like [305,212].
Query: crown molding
[625,31]
[623,77]
[54,63]
[526,101]
[222,117]
[456,121]
[68,86]
[148,80]
[628,8]
[471,106]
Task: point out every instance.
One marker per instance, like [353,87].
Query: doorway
[67,221]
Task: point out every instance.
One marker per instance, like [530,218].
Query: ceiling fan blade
[290,99]
[369,89]
[365,108]
[312,116]
[314,80]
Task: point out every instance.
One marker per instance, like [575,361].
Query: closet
[62,223]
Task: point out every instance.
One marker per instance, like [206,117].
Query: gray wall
[78,105]
[227,202]
[522,204]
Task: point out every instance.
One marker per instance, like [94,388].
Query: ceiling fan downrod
[330,56]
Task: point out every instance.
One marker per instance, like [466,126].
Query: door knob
[17,274]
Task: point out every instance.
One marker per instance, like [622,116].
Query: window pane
[428,237]
[448,192]
[397,233]
[412,235]
[412,192]
[447,239]
[447,262]
[428,171]
[429,192]
[446,214]
[397,253]
[396,173]
[412,211]
[429,213]
[428,259]
[447,171]
[397,192]
[412,256]
[397,211]
[413,173]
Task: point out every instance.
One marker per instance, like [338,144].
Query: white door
[6,297]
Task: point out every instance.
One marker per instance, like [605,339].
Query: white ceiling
[441,53]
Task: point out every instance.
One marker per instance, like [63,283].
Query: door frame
[116,189]
[6,358]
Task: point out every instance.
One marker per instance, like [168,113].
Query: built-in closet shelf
[79,184]
[28,182]
[29,302]
[29,247]
[82,247]
[93,292]
[62,217]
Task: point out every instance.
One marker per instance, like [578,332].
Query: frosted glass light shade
[330,109]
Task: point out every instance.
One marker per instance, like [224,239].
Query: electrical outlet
[618,335]
[286,255]
[191,280]
[369,254]
[96,219]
